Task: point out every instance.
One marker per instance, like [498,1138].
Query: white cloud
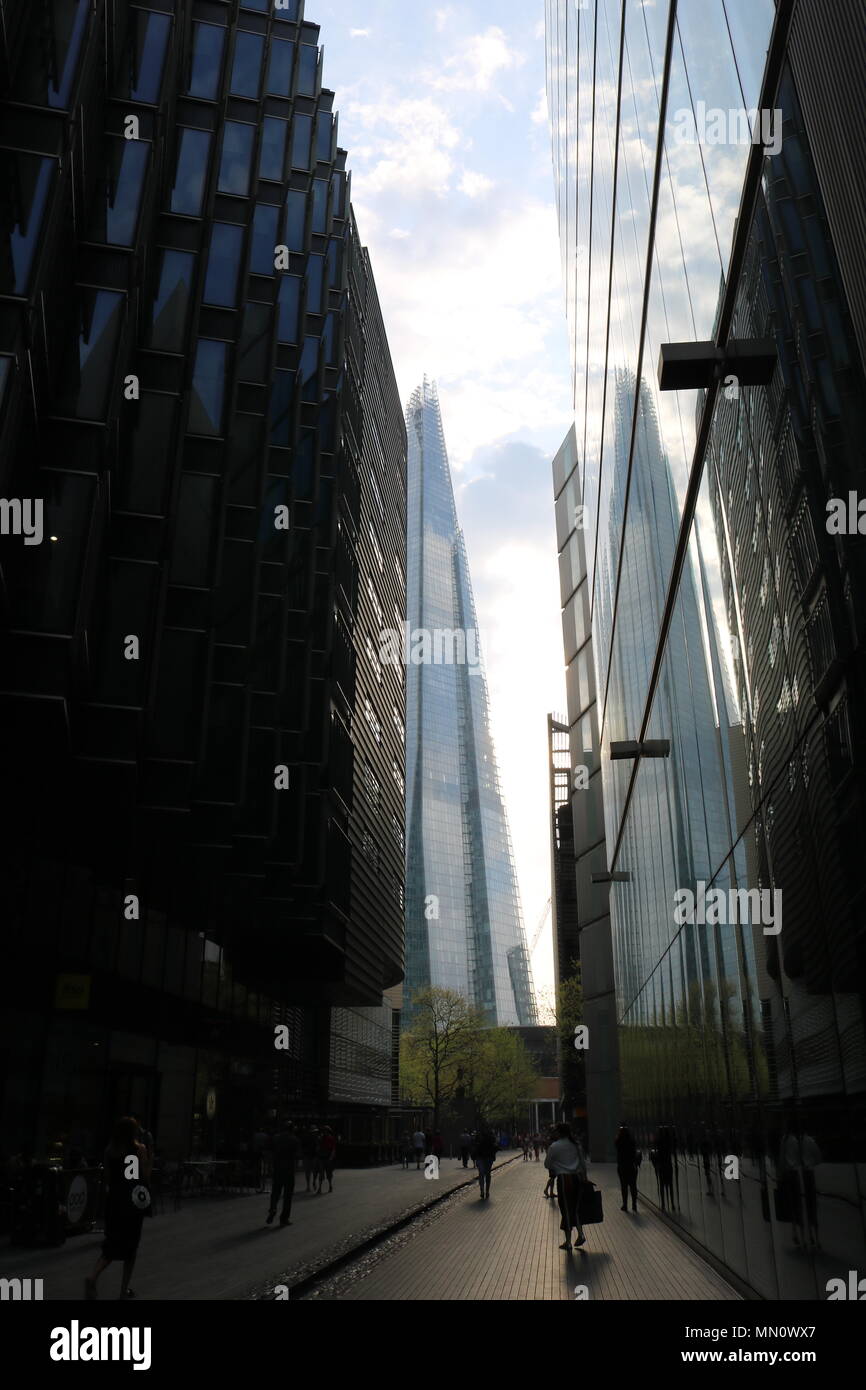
[539,29]
[399,234]
[443,17]
[408,147]
[476,63]
[474,184]
[359,33]
[539,115]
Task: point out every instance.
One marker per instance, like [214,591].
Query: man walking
[486,1149]
[465,1146]
[418,1144]
[285,1152]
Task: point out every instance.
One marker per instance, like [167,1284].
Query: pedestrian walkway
[507,1249]
[221,1248]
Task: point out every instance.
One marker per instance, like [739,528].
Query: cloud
[359,33]
[476,63]
[474,184]
[399,234]
[443,17]
[539,115]
[408,147]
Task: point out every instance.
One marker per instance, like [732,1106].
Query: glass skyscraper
[464,929]
[707,604]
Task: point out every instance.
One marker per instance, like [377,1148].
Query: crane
[540,927]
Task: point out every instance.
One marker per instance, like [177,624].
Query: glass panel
[247,66]
[193,536]
[236,160]
[324,136]
[315,283]
[320,206]
[273,157]
[307,70]
[171,306]
[265,238]
[255,345]
[296,218]
[149,456]
[102,315]
[149,42]
[208,388]
[308,370]
[128,169]
[302,138]
[33,181]
[207,54]
[192,166]
[224,258]
[280,67]
[282,390]
[289,304]
[50,62]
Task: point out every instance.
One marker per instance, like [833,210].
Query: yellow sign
[72,992]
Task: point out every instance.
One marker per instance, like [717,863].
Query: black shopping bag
[591,1213]
[783,1203]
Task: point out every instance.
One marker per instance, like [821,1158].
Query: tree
[501,1074]
[436,1051]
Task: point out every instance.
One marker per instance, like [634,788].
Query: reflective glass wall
[738,928]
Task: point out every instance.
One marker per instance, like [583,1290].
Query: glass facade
[706,605]
[464,928]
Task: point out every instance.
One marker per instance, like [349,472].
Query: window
[308,67]
[377,607]
[101,317]
[247,66]
[192,162]
[224,258]
[373,658]
[265,238]
[236,160]
[273,157]
[315,283]
[398,832]
[296,219]
[320,206]
[324,136]
[309,369]
[399,725]
[370,850]
[376,550]
[302,139]
[289,303]
[31,178]
[254,352]
[142,77]
[171,305]
[49,64]
[127,167]
[282,390]
[280,68]
[398,777]
[207,55]
[208,388]
[197,510]
[376,493]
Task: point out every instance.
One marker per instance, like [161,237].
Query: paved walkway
[507,1248]
[220,1248]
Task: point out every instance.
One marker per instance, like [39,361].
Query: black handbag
[589,1205]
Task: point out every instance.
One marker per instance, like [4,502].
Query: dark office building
[202,768]
[564,906]
[726,606]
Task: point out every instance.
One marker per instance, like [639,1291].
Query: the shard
[464,928]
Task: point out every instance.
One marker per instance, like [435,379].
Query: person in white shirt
[566,1162]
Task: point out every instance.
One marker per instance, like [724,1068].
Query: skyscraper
[725,618]
[197,389]
[464,929]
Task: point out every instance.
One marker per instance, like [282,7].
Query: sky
[443,114]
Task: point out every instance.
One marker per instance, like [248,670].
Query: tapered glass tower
[464,924]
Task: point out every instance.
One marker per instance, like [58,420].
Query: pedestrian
[127,1199]
[524,1140]
[418,1142]
[465,1146]
[285,1154]
[309,1144]
[550,1185]
[566,1161]
[486,1149]
[327,1155]
[406,1148]
[438,1145]
[626,1166]
[261,1139]
[536,1144]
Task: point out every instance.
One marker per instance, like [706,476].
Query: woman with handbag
[565,1160]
